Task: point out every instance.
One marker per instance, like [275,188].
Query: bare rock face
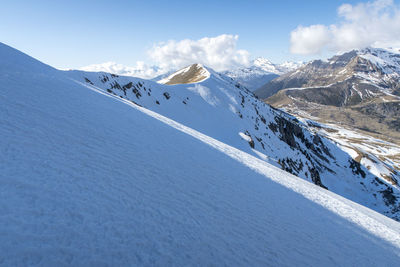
[317,152]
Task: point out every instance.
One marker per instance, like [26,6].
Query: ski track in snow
[346,209]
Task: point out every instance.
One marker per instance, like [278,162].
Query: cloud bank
[218,52]
[374,24]
[141,69]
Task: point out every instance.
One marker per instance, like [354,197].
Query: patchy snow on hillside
[381,158]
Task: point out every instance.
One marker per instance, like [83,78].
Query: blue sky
[71,34]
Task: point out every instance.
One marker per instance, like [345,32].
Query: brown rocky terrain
[191,74]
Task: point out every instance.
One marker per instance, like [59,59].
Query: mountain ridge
[223,109]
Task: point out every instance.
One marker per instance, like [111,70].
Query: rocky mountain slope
[354,97]
[359,89]
[343,80]
[223,109]
[260,72]
[90,178]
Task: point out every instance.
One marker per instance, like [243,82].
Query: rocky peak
[190,74]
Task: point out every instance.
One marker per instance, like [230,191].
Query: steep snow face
[90,178]
[221,108]
[261,72]
[191,74]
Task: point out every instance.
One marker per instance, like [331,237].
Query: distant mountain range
[260,72]
[257,74]
[349,78]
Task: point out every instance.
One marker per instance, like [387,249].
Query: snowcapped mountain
[342,80]
[278,69]
[100,169]
[260,72]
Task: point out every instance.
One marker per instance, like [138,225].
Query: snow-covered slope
[89,178]
[260,72]
[221,108]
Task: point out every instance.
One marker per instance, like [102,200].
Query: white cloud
[309,40]
[141,69]
[219,53]
[374,24]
